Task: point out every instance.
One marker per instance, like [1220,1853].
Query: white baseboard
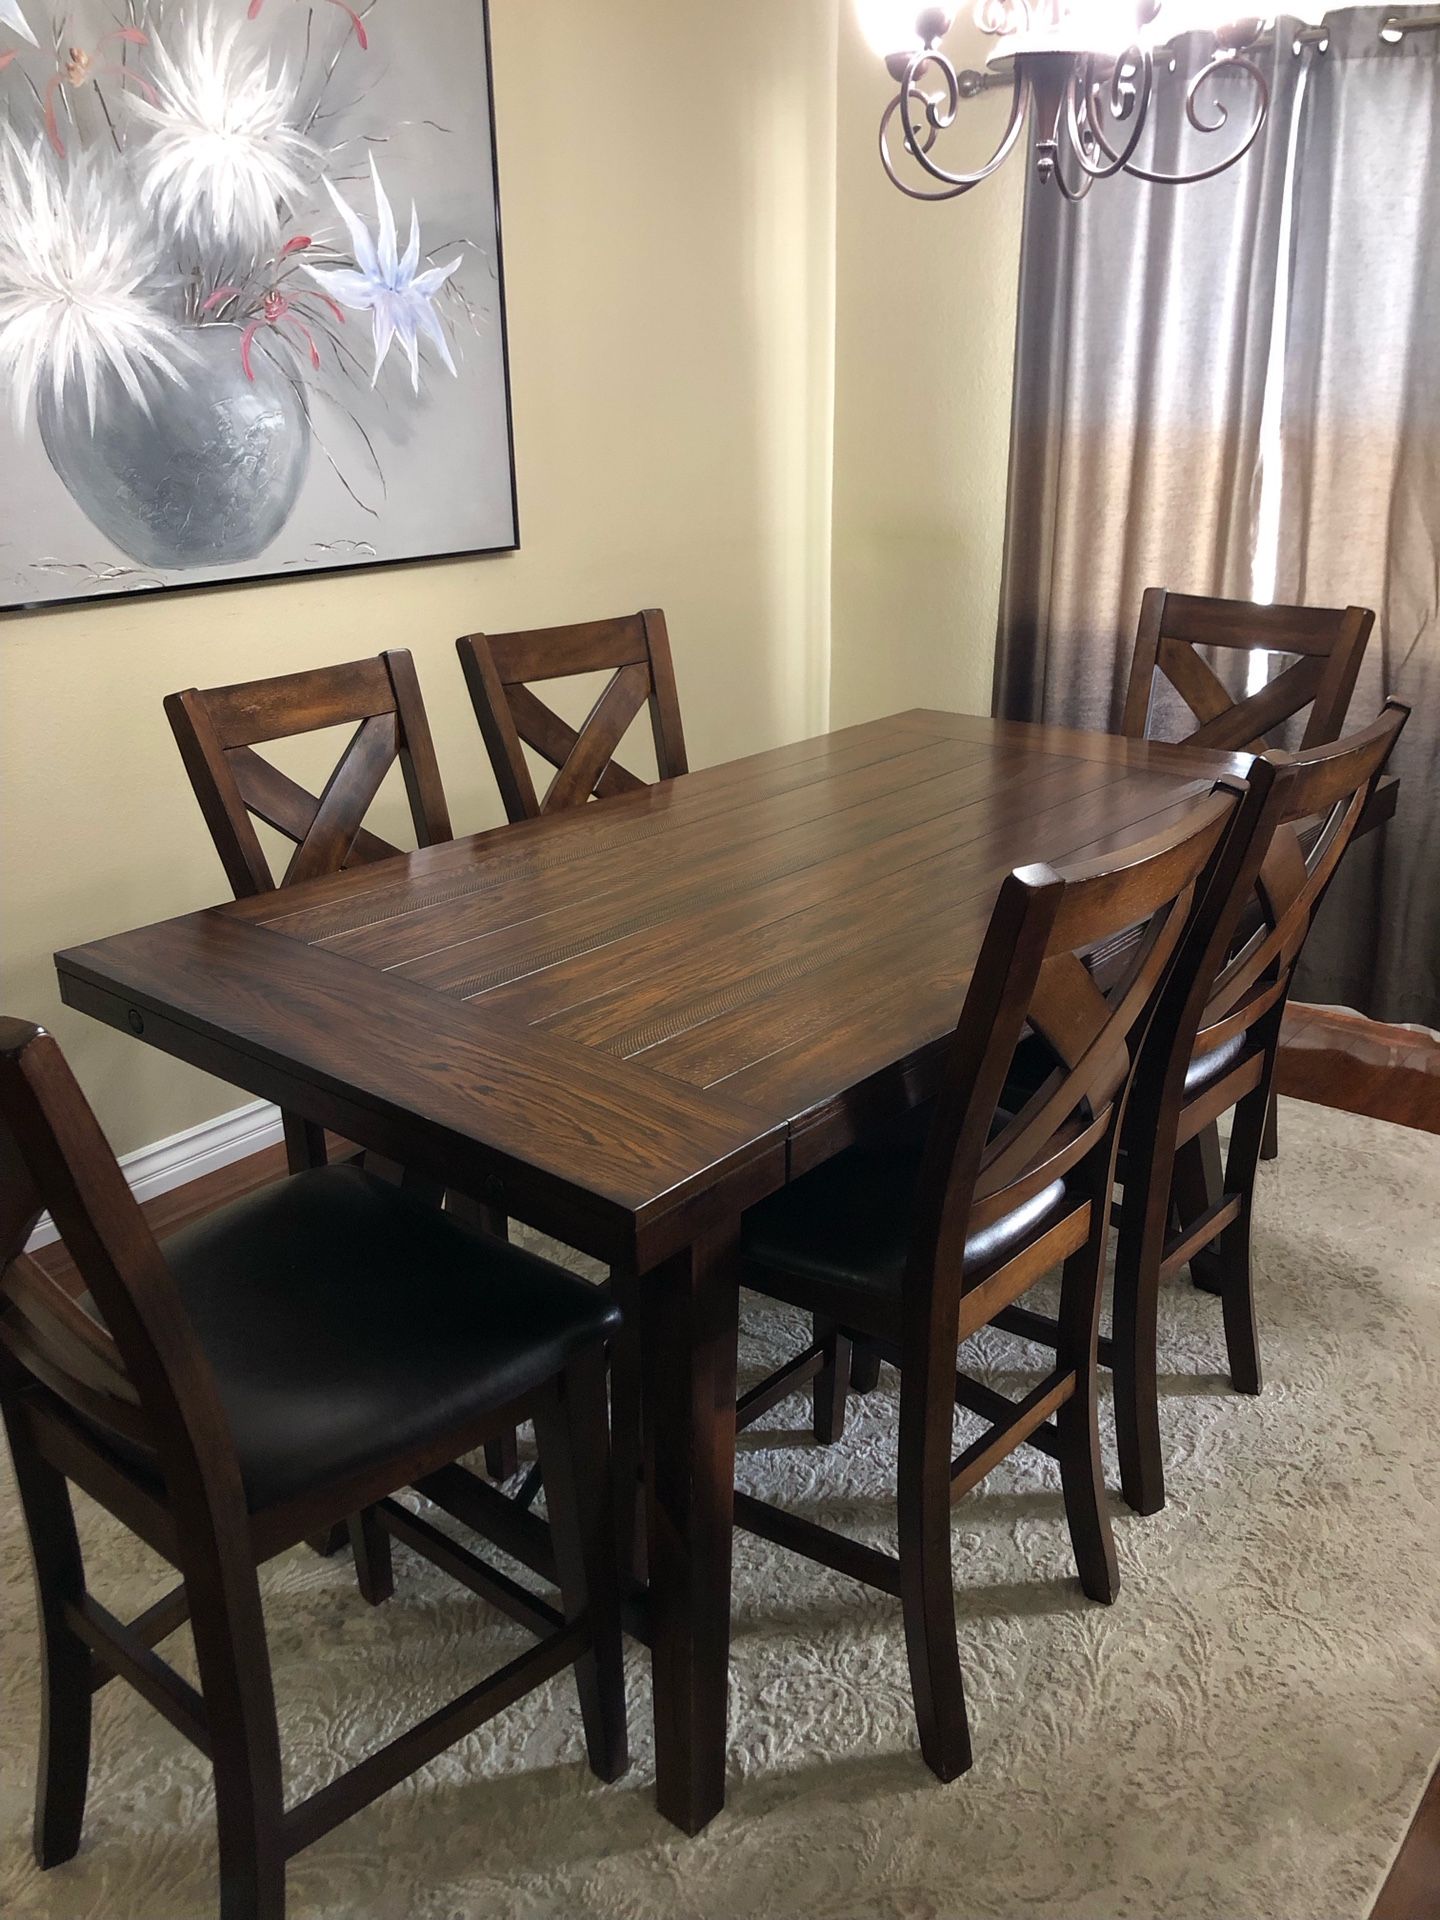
[151,1171]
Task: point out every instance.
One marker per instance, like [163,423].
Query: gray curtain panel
[1147,316]
[1360,480]
[1144,333]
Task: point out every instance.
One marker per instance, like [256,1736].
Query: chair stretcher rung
[511,1528]
[976,1461]
[997,1408]
[400,1757]
[149,1628]
[114,1645]
[833,1550]
[1199,1234]
[528,1609]
[778,1386]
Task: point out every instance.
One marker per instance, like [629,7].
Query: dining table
[626,1023]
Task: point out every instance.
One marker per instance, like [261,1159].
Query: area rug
[1245,1733]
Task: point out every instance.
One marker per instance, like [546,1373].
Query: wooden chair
[297,1357]
[635,650]
[1212,1047]
[218,730]
[1329,643]
[915,1244]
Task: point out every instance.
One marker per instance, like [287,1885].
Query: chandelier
[1083,71]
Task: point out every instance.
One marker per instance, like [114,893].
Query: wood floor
[1412,1890]
[1328,1056]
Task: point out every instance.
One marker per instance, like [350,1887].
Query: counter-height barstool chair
[1210,1050]
[1328,645]
[218,729]
[1323,648]
[500,669]
[915,1244]
[299,1356]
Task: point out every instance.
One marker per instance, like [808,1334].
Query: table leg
[689,1331]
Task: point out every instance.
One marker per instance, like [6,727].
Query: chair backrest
[141,1374]
[635,650]
[217,732]
[1329,642]
[1298,818]
[1031,974]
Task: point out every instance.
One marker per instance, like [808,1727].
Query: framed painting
[252,307]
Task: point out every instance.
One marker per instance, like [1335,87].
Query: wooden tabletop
[631,1019]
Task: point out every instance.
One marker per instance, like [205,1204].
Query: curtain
[1144,334]
[1156,324]
[1360,476]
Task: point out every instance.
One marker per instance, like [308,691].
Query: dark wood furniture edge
[1335,1058]
[639,1230]
[1412,1886]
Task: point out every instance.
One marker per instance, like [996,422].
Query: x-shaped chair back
[1312,803]
[1328,644]
[140,1374]
[635,650]
[218,731]
[1031,975]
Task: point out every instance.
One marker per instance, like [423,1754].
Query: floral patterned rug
[1244,1734]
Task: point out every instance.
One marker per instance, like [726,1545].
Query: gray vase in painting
[207,477]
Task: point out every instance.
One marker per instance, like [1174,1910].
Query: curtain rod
[1392,31]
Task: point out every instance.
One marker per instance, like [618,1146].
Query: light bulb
[902,26]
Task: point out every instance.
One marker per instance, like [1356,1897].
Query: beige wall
[925,327]
[669,177]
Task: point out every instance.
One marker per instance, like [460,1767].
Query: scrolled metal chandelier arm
[1130,87]
[938,111]
[1089,108]
[1222,61]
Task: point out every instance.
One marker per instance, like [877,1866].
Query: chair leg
[64,1766]
[1139,1250]
[573,1434]
[1082,1476]
[1270,1145]
[1237,1298]
[374,1570]
[864,1368]
[234,1663]
[927,1591]
[502,1455]
[1197,1183]
[832,1383]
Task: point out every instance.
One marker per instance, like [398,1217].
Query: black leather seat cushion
[848,1223]
[1206,1068]
[348,1321]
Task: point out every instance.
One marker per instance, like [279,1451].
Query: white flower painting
[203,287]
